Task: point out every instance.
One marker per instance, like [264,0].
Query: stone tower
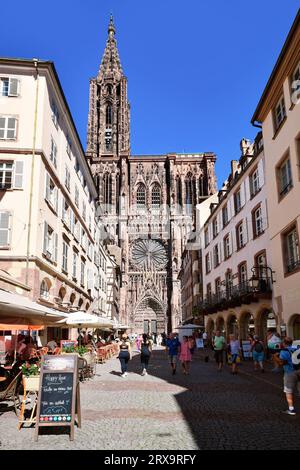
[146,202]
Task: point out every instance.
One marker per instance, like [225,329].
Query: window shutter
[19,168]
[45,238]
[63,212]
[11,128]
[47,189]
[261,173]
[4,228]
[56,200]
[55,247]
[71,221]
[13,87]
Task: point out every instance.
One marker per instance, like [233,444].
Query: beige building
[279,114]
[49,239]
[237,267]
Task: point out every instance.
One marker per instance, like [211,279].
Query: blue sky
[196,68]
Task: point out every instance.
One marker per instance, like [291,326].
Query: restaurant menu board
[58,399]
[67,343]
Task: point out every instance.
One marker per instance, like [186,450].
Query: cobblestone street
[205,410]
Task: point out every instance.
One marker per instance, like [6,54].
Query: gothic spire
[111,65]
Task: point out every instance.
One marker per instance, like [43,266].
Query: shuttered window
[5,228]
[51,193]
[50,244]
[9,86]
[53,152]
[8,128]
[11,175]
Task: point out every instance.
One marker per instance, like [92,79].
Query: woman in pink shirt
[185,355]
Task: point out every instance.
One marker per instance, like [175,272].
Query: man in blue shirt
[291,378]
[173,347]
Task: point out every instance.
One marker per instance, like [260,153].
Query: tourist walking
[138,342]
[258,353]
[219,345]
[159,339]
[173,347]
[234,350]
[146,349]
[185,355]
[124,354]
[192,344]
[289,358]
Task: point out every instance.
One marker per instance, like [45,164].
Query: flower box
[31,384]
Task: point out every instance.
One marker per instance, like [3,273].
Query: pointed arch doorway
[149,317]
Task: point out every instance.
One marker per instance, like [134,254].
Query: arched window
[108,118]
[178,191]
[107,189]
[155,196]
[44,290]
[201,186]
[141,196]
[188,190]
[62,293]
[72,298]
[109,89]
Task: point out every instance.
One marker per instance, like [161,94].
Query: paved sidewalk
[205,410]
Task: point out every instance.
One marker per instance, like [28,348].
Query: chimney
[234,167]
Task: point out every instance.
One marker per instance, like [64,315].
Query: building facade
[278,112]
[237,265]
[50,240]
[146,202]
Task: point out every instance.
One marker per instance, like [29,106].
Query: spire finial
[111,27]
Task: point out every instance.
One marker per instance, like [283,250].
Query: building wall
[86,241]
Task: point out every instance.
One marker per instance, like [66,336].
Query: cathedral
[146,202]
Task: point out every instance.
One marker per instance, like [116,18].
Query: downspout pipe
[36,77]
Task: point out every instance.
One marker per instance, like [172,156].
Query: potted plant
[31,376]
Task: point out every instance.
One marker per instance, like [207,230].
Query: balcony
[235,296]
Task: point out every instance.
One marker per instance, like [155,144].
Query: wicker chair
[91,362]
[10,393]
[82,369]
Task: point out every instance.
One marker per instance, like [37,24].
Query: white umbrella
[83,319]
[188,326]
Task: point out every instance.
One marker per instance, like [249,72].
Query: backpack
[145,349]
[258,347]
[295,356]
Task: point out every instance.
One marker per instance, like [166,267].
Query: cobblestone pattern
[205,410]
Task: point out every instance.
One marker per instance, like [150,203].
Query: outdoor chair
[90,361]
[82,369]
[56,351]
[10,393]
[101,356]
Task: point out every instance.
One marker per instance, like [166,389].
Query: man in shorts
[219,345]
[291,377]
[173,347]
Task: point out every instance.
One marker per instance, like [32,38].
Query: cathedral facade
[146,202]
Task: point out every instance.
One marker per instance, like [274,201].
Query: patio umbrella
[82,319]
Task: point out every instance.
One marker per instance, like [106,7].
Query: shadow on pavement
[223,411]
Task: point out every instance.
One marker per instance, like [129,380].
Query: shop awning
[18,309]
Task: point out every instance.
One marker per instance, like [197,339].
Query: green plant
[68,349]
[30,370]
[81,350]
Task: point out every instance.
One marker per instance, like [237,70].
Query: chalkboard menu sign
[58,400]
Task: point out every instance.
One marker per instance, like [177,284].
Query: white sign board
[246,348]
[199,343]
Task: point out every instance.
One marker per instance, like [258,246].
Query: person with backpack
[289,358]
[146,349]
[258,353]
